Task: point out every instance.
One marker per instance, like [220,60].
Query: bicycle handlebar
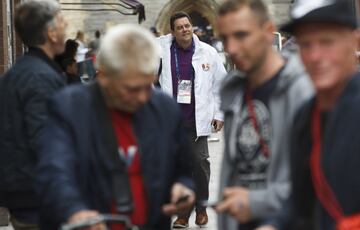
[100,219]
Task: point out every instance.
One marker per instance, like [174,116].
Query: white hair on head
[129,46]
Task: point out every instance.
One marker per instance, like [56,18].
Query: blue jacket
[24,90]
[74,170]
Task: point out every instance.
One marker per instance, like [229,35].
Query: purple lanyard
[177,68]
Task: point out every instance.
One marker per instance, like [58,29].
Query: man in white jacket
[192,72]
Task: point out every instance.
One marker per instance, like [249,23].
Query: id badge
[184,92]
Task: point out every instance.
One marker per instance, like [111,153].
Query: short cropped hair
[128,46]
[79,34]
[32,18]
[71,47]
[176,16]
[257,6]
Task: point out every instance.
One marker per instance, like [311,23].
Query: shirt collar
[177,46]
[37,52]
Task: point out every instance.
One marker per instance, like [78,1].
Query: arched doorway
[202,12]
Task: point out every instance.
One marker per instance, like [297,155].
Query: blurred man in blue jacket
[116,145]
[24,90]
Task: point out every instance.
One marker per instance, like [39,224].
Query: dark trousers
[201,167]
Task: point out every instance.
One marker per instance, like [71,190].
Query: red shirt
[129,151]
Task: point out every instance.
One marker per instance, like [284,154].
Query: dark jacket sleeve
[34,95]
[57,182]
[170,114]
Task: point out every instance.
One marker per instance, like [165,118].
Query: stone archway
[206,8]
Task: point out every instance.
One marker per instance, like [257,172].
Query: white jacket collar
[169,39]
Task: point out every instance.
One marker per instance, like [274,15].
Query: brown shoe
[181,223]
[201,218]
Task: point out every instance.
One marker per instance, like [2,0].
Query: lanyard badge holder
[184,86]
[120,180]
[122,192]
[184,91]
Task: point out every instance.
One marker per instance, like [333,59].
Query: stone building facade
[10,44]
[157,14]
[83,15]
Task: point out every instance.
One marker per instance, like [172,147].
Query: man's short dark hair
[257,6]
[32,18]
[71,47]
[176,16]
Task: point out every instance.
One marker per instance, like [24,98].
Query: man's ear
[51,34]
[269,27]
[101,77]
[357,38]
[101,73]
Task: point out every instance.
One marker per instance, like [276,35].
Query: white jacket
[209,73]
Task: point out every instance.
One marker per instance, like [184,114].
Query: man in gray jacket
[259,105]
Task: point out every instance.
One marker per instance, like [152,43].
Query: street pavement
[216,155]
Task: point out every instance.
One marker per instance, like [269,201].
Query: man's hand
[217,125]
[266,227]
[236,203]
[86,214]
[178,204]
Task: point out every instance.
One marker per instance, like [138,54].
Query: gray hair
[33,17]
[129,46]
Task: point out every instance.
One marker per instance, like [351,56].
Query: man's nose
[231,46]
[315,53]
[143,97]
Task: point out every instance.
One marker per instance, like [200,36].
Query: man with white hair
[128,153]
[24,90]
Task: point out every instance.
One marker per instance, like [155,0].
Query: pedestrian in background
[24,90]
[95,44]
[128,153]
[259,104]
[70,69]
[68,63]
[191,73]
[81,53]
[71,47]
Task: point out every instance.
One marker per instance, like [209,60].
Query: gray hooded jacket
[292,90]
